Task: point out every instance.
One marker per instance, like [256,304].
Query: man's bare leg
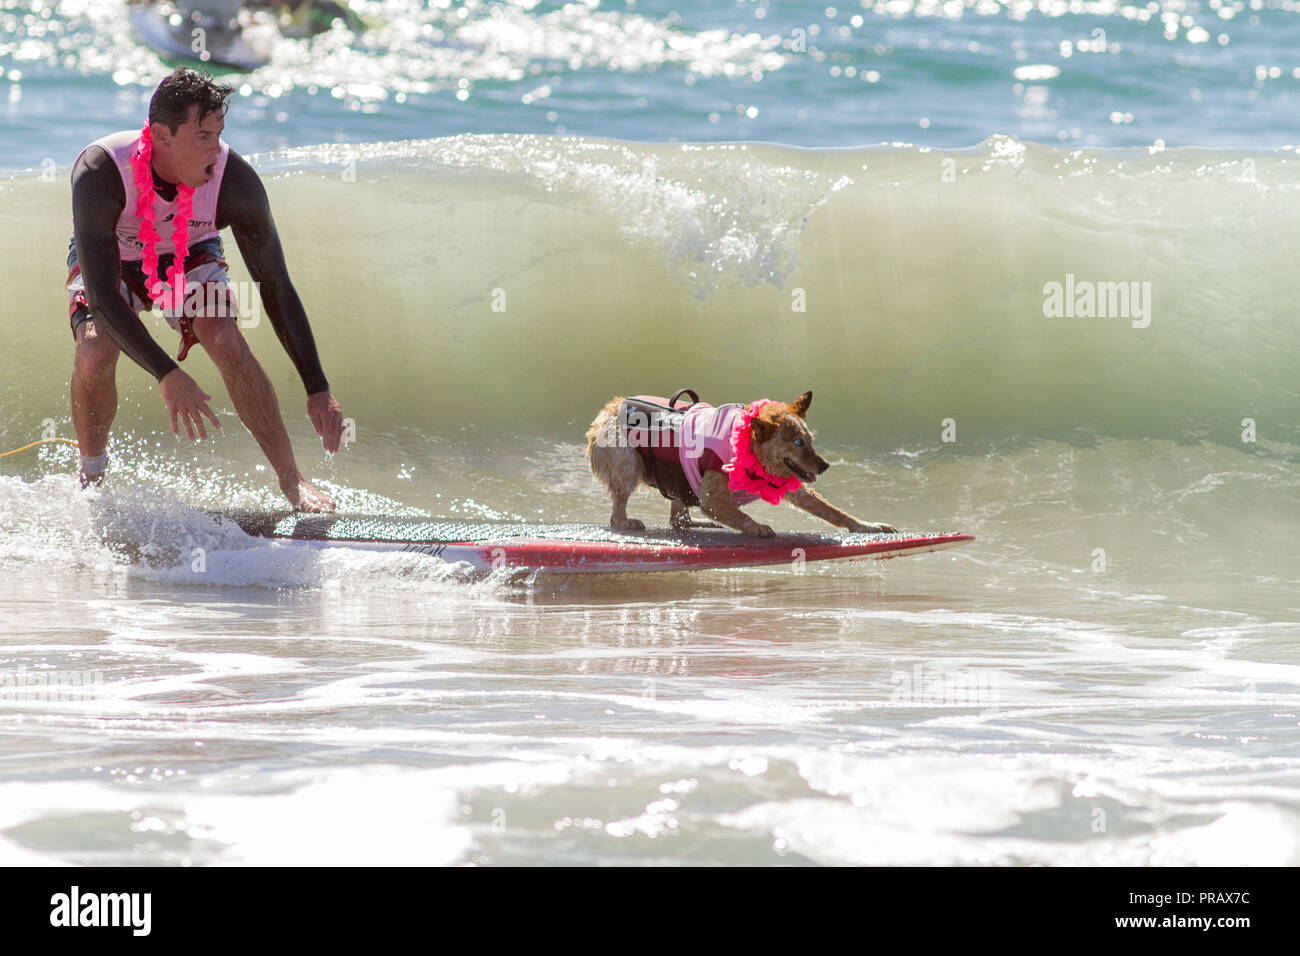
[257,407]
[93,392]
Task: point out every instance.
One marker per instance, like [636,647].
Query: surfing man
[137,198]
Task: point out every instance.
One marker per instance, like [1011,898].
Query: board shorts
[205,267]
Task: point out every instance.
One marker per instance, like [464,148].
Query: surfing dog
[715,458]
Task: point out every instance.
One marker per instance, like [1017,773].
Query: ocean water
[1035,262]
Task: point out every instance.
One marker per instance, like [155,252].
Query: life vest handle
[672,402]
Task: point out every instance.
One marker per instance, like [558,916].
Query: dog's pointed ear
[800,405]
[761,430]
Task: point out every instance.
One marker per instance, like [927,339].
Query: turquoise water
[802,73]
[876,210]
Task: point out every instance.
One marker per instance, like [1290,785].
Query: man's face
[192,151]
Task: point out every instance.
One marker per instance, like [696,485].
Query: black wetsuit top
[98,198]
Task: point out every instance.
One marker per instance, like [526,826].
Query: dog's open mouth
[798,472]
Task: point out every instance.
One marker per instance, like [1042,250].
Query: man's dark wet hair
[181,89]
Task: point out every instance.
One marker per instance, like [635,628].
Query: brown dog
[681,450]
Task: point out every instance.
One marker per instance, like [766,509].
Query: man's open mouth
[799,472]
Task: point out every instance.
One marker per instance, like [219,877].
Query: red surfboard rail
[581,548]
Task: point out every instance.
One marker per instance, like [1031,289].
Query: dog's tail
[604,431]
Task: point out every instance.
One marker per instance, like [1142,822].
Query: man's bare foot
[304,497]
[88,480]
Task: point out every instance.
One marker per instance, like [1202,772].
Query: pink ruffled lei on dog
[745,472]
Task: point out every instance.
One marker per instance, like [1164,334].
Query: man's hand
[183,398]
[327,418]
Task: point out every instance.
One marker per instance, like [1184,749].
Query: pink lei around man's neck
[142,170]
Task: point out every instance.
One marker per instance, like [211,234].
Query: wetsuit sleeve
[243,205]
[97,200]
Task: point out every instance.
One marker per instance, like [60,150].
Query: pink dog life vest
[203,222]
[677,447]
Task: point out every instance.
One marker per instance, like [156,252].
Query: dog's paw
[757,530]
[628,524]
[861,527]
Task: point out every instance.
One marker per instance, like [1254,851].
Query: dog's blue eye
[798,442]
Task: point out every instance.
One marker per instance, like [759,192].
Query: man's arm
[243,205]
[97,201]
